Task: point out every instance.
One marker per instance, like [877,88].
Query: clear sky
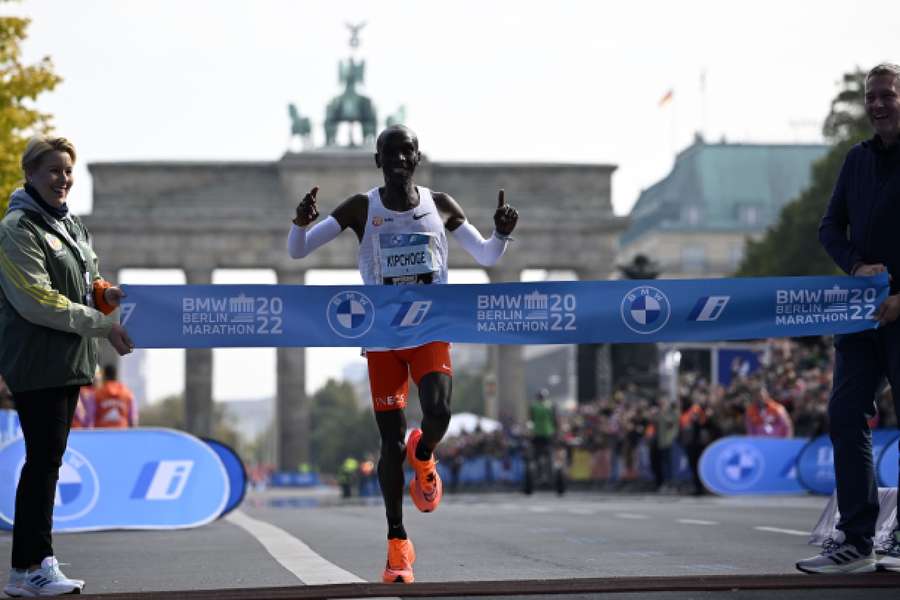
[570,81]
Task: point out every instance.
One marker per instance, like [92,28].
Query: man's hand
[865,270]
[307,211]
[120,340]
[888,311]
[113,296]
[506,217]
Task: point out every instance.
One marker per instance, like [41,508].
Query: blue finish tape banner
[815,463]
[126,479]
[210,316]
[237,473]
[9,426]
[744,465]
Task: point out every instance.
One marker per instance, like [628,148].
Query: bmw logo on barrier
[77,489]
[350,314]
[645,310]
[740,466]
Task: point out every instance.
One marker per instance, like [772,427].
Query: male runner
[407,220]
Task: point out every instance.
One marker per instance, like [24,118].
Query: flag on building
[667,97]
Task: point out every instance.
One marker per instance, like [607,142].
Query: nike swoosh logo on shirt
[417,217]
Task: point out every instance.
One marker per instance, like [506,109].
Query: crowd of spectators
[631,435]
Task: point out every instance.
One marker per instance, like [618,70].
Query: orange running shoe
[426,488]
[400,559]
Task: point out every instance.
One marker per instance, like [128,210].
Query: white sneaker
[49,581]
[838,556]
[13,588]
[888,553]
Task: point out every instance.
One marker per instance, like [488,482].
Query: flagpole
[703,103]
[673,128]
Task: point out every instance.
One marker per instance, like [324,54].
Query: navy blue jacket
[862,221]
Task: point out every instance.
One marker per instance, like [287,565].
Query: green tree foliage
[20,85]
[339,428]
[791,246]
[169,412]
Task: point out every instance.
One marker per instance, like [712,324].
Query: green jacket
[48,329]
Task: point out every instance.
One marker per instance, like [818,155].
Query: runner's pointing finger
[501,201]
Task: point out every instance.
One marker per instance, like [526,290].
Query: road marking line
[697,522]
[780,530]
[581,511]
[291,553]
[540,509]
[631,516]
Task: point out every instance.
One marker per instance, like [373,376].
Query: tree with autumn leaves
[791,245]
[20,86]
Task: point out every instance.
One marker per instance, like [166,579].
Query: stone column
[512,403]
[198,374]
[592,360]
[291,404]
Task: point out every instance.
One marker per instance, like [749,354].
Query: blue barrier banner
[126,479]
[294,479]
[206,316]
[743,465]
[815,463]
[681,467]
[9,426]
[888,465]
[237,474]
[481,470]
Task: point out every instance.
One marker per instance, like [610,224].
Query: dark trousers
[661,464]
[45,417]
[862,361]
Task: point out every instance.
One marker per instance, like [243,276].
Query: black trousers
[862,362]
[45,417]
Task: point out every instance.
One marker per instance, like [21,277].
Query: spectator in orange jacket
[86,407]
[114,406]
[766,417]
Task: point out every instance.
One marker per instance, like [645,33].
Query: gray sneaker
[838,556]
[888,553]
[13,588]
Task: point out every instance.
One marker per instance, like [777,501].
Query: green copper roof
[724,187]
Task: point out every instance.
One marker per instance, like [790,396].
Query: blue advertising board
[126,479]
[237,474]
[737,361]
[815,463]
[887,465]
[294,479]
[9,426]
[745,465]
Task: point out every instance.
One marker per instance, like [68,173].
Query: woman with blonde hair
[54,306]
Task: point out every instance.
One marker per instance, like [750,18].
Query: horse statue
[350,106]
[300,126]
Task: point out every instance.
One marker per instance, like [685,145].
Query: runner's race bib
[403,258]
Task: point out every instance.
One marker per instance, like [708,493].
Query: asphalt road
[470,538]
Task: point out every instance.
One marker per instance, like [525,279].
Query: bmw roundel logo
[350,314]
[77,489]
[645,310]
[740,466]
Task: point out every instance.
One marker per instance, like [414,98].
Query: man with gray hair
[859,232]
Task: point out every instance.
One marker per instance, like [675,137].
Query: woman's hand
[120,340]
